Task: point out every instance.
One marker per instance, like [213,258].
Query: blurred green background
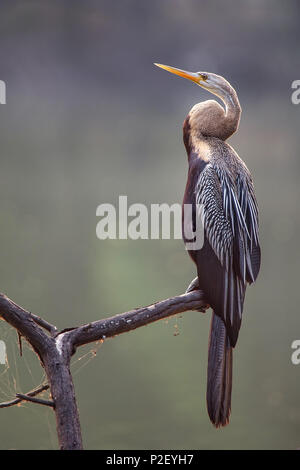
[89,118]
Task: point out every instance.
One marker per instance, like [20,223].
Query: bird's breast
[201,149]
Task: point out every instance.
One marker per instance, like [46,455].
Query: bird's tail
[219,373]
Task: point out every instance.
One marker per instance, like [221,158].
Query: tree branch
[133,319]
[35,400]
[44,324]
[18,400]
[55,351]
[23,322]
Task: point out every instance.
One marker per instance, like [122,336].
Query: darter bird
[220,191]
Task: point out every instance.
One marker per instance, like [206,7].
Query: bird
[221,195]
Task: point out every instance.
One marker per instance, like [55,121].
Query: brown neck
[210,119]
[232,112]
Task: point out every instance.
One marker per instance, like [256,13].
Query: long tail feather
[219,373]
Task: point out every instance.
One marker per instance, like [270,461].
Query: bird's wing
[230,254]
[249,213]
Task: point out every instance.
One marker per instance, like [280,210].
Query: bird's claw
[203,309]
[194,285]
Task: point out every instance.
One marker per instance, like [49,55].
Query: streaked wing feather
[230,219]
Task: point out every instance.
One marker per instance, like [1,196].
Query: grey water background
[88,118]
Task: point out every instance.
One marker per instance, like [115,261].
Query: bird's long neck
[210,119]
[232,110]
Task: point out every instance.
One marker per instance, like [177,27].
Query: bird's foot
[203,309]
[194,285]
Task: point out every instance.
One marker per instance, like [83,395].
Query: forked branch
[56,348]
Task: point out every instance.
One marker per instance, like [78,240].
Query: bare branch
[44,324]
[55,351]
[35,400]
[18,400]
[133,319]
[22,320]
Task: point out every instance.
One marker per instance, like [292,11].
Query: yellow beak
[195,77]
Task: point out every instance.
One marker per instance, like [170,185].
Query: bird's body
[220,191]
[220,184]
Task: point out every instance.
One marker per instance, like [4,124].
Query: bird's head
[209,81]
[212,119]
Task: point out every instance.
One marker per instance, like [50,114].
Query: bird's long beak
[195,77]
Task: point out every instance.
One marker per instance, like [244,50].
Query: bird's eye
[204,76]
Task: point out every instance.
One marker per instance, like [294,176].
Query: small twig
[35,400]
[20,343]
[33,393]
[44,324]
